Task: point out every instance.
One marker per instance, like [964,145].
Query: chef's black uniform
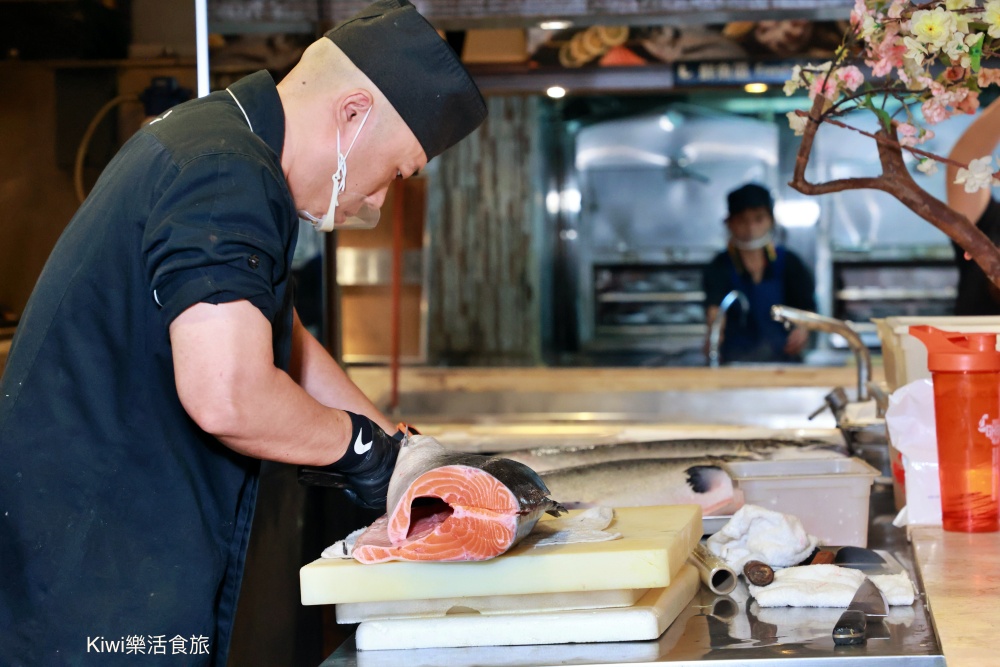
[124,526]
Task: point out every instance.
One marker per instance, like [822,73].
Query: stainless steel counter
[726,630]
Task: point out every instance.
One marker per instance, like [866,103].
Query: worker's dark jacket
[754,335]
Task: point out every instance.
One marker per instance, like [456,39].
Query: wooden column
[484,216]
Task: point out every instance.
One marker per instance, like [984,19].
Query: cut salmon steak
[452,506]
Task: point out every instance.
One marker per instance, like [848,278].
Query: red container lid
[958,352]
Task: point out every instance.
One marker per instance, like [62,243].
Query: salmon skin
[639,482]
[453,506]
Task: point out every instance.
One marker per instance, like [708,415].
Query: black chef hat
[750,195]
[419,73]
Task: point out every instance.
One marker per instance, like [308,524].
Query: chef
[766,274]
[160,359]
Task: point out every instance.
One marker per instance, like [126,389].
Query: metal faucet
[804,318]
[715,329]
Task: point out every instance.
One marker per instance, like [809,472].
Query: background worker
[767,274]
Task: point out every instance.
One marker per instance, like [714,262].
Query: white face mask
[347,210]
[754,244]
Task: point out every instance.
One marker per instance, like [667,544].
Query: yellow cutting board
[655,543]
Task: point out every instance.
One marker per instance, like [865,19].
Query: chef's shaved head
[324,73]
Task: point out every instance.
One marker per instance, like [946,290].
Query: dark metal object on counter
[758,573]
[868,602]
[867,440]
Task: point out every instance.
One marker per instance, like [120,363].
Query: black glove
[364,470]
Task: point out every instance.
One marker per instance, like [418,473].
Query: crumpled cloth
[757,533]
[586,526]
[828,586]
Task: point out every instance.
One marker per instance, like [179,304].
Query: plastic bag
[912,430]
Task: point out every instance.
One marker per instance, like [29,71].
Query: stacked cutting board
[629,589]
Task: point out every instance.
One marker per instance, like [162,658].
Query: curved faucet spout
[807,320]
[715,329]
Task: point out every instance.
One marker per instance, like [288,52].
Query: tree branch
[896,180]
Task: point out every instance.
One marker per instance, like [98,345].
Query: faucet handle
[876,391]
[818,411]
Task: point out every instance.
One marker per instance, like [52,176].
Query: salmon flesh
[452,506]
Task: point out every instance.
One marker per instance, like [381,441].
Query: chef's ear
[354,106]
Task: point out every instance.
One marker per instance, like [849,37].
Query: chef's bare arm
[323,379]
[978,140]
[227,382]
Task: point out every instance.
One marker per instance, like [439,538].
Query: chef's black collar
[259,97]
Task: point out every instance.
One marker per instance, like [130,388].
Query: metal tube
[719,577]
[812,321]
[397,285]
[201,45]
[715,329]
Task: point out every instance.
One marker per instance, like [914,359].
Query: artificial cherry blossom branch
[896,180]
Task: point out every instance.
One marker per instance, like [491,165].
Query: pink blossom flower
[907,134]
[934,111]
[851,77]
[887,53]
[969,102]
[859,12]
[989,77]
[823,85]
[954,74]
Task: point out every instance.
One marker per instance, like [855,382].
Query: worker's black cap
[419,73]
[750,195]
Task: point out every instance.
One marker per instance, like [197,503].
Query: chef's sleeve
[217,235]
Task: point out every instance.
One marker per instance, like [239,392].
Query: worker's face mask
[752,228]
[755,243]
[347,210]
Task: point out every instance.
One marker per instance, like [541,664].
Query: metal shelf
[894,294]
[651,297]
[890,255]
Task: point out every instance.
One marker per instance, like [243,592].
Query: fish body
[452,506]
[544,459]
[641,482]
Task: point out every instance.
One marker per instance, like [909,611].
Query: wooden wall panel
[483,217]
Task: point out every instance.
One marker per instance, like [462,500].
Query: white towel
[897,588]
[756,533]
[828,586]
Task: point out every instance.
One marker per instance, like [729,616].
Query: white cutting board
[357,612]
[655,542]
[645,620]
[609,653]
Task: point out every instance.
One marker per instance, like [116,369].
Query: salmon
[453,506]
[639,482]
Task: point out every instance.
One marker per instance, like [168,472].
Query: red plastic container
[966,373]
